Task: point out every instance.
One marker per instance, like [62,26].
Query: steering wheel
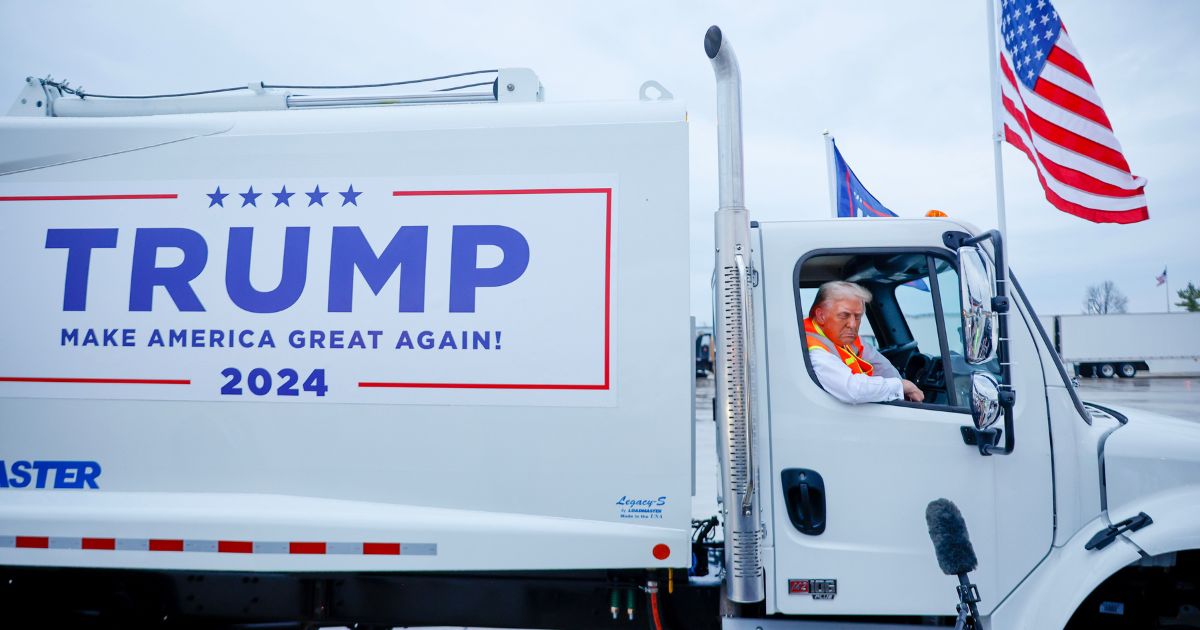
[917,367]
[934,377]
[928,373]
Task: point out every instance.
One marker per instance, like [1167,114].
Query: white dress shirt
[837,379]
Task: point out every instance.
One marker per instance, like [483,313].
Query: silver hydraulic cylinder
[734,337]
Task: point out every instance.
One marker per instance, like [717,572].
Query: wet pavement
[1171,396]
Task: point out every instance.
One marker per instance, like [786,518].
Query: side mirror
[984,292]
[985,399]
[977,287]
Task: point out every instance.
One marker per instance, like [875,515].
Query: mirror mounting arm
[1007,396]
[985,439]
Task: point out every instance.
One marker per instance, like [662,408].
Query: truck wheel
[1087,370]
[1106,370]
[1127,370]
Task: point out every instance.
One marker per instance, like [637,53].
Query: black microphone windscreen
[951,543]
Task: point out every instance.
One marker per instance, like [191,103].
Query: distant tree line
[1105,298]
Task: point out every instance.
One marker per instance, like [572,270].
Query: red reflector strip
[306,548]
[8,541]
[235,546]
[381,549]
[165,545]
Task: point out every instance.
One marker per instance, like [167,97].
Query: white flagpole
[832,168]
[997,126]
[1167,288]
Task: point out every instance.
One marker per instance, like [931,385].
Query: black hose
[63,88]
[463,87]
[375,85]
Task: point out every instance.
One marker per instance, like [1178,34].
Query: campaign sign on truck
[338,289]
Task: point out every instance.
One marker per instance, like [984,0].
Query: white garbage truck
[290,357]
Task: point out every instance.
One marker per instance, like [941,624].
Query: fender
[1051,594]
[1150,465]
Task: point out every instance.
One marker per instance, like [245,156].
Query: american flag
[1161,279]
[1053,114]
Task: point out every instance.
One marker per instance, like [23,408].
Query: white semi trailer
[425,360]
[1123,344]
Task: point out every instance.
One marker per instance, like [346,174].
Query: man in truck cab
[846,368]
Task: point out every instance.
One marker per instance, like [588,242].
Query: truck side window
[914,318]
[925,317]
[916,304]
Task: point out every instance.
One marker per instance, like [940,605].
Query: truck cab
[849,482]
[844,485]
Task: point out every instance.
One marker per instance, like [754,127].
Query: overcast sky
[903,87]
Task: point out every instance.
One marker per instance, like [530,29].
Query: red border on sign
[607,192]
[88,197]
[89,380]
[102,381]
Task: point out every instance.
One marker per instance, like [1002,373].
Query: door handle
[804,497]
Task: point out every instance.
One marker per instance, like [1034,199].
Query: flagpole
[832,169]
[997,127]
[1167,288]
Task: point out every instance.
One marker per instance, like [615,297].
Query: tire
[1087,370]
[1106,370]
[1127,370]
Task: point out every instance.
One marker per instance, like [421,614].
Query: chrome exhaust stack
[733,332]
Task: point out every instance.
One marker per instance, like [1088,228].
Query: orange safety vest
[851,356]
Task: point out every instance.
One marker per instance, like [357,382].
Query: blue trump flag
[853,199]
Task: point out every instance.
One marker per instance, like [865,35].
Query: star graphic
[283,197]
[217,198]
[350,196]
[316,197]
[250,198]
